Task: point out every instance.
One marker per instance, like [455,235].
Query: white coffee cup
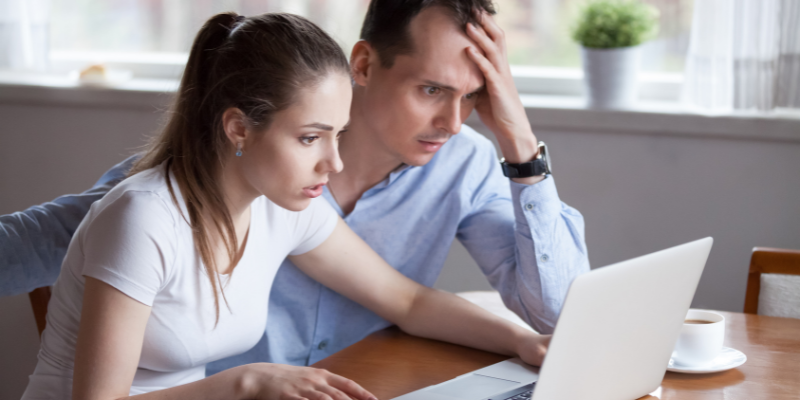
[699,343]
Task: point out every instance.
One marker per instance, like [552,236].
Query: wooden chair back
[39,299]
[767,260]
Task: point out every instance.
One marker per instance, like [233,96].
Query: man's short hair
[387,21]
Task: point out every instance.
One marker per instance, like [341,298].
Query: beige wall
[643,192]
[638,191]
[46,151]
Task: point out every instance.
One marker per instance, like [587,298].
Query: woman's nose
[331,162]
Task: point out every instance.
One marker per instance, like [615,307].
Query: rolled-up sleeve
[33,242]
[528,243]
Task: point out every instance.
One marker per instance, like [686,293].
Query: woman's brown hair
[256,64]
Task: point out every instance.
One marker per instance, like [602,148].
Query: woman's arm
[349,266]
[110,341]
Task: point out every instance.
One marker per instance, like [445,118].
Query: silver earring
[238,149]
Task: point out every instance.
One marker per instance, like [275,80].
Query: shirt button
[529,206]
[322,345]
[544,258]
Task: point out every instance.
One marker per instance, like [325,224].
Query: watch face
[545,153]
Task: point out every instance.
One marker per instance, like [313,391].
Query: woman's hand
[286,382]
[532,348]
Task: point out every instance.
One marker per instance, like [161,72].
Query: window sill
[544,111]
[60,90]
[661,118]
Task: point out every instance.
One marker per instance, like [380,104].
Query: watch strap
[535,167]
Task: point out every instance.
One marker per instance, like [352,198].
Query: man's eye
[431,90]
[308,139]
[471,96]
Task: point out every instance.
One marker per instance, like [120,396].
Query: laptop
[613,340]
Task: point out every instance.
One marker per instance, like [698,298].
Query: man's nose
[449,119]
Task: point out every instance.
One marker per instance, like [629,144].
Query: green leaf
[606,24]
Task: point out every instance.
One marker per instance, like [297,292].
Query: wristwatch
[538,166]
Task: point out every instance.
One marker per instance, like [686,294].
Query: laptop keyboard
[526,395]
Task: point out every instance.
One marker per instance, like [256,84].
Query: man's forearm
[530,246]
[551,252]
[33,242]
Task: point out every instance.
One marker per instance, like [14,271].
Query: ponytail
[212,36]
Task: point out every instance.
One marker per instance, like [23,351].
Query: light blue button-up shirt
[527,242]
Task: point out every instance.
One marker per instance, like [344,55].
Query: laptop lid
[619,324]
[613,339]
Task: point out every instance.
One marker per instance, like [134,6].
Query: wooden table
[390,363]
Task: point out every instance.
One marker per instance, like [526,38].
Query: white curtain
[24,34]
[743,54]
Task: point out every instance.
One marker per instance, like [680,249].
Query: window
[152,37]
[537,30]
[169,26]
[538,33]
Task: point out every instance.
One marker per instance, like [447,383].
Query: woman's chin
[294,204]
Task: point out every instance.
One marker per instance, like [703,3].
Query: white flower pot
[610,76]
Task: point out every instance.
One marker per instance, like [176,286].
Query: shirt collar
[396,173]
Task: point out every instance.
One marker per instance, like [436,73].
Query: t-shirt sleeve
[130,244]
[313,226]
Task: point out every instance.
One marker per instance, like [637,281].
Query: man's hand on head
[499,106]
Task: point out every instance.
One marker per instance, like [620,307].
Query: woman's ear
[233,122]
[361,59]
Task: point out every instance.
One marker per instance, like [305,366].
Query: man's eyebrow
[319,126]
[438,84]
[448,88]
[478,90]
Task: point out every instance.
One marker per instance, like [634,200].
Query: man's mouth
[431,146]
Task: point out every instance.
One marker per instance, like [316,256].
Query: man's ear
[233,122]
[362,60]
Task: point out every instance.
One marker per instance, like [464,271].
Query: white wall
[638,191]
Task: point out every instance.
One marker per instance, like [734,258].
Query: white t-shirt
[136,240]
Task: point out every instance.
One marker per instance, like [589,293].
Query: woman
[167,272]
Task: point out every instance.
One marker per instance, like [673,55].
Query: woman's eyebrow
[319,126]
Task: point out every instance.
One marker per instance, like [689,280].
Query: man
[414,179]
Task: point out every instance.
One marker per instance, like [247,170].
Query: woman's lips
[431,147]
[313,191]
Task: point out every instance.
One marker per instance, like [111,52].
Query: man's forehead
[439,50]
[434,30]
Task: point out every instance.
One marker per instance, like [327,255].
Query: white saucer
[728,358]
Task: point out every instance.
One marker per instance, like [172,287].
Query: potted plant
[610,33]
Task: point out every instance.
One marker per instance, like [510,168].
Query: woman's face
[290,162]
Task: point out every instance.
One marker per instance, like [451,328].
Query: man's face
[417,104]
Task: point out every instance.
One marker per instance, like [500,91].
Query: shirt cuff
[536,201]
[125,285]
